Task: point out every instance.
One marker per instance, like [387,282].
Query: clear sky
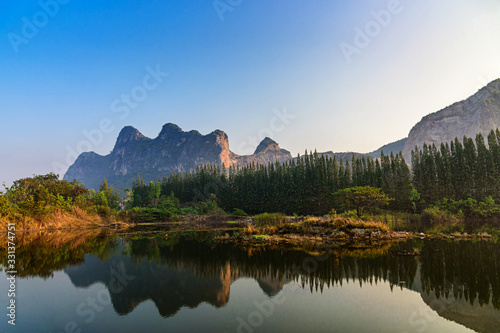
[327,74]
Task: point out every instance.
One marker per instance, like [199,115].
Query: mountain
[479,113]
[172,150]
[347,156]
[394,147]
[176,150]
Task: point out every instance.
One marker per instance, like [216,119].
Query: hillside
[479,113]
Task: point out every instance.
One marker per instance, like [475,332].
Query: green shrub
[189,211]
[350,214]
[267,219]
[239,212]
[150,214]
[105,213]
[209,207]
[5,206]
[435,216]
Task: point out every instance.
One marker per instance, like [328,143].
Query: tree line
[461,177]
[303,185]
[467,170]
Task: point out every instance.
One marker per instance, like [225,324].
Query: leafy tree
[361,198]
[110,194]
[414,199]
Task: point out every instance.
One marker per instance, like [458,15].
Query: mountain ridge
[479,113]
[175,150]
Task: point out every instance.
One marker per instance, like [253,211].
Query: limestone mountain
[394,147]
[172,150]
[479,113]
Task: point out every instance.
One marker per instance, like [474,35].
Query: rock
[358,232]
[172,150]
[479,113]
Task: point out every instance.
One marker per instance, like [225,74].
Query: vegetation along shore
[452,190]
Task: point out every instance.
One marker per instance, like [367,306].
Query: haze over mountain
[172,150]
[176,150]
[479,113]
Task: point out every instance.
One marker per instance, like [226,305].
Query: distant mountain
[394,147]
[172,150]
[176,150]
[345,156]
[479,113]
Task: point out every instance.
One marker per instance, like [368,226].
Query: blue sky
[250,68]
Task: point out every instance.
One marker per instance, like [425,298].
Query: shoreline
[240,231]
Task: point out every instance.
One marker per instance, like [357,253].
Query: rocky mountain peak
[173,150]
[128,134]
[220,139]
[267,143]
[169,131]
[480,113]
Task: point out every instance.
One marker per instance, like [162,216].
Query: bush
[149,214]
[209,207]
[471,207]
[435,216]
[350,214]
[5,206]
[105,213]
[189,211]
[239,212]
[265,219]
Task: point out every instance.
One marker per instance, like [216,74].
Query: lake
[93,281]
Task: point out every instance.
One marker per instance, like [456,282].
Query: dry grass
[52,238]
[350,224]
[78,218]
[266,230]
[315,225]
[267,219]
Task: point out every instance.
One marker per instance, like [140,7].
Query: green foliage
[45,199]
[209,207]
[151,214]
[350,214]
[471,207]
[147,204]
[6,208]
[415,200]
[238,212]
[302,185]
[361,198]
[267,219]
[108,196]
[435,215]
[39,196]
[459,170]
[189,211]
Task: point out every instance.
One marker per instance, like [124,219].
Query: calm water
[188,283]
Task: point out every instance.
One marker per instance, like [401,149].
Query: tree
[362,197]
[110,194]
[414,199]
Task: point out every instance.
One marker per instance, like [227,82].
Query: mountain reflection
[458,279]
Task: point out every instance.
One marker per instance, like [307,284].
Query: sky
[328,74]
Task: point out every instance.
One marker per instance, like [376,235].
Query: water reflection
[458,279]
